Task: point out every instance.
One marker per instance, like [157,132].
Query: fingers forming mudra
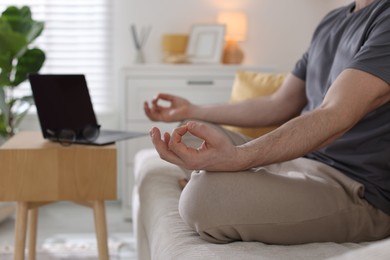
[211,155]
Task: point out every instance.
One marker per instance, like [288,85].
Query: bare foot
[182,182]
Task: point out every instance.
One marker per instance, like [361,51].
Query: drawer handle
[200,82]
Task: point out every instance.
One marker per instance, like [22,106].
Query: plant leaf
[5,69]
[35,30]
[31,62]
[18,19]
[3,126]
[10,41]
[3,106]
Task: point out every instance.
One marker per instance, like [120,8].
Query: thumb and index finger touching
[197,129]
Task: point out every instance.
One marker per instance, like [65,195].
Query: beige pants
[294,202]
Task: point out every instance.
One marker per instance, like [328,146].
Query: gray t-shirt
[359,40]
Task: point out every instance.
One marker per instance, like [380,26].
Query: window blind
[76,40]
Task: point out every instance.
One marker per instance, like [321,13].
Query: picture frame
[206,43]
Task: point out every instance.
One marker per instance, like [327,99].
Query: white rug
[79,247]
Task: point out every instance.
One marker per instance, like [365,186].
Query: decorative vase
[139,56]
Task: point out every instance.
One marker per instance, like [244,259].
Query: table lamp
[236,30]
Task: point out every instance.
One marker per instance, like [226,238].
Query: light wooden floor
[68,218]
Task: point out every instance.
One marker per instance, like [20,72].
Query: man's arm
[354,94]
[287,102]
[276,109]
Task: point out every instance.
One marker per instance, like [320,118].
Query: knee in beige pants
[295,202]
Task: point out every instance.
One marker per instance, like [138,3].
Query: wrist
[193,112]
[244,159]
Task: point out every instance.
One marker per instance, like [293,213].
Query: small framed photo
[206,43]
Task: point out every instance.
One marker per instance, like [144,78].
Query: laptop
[63,102]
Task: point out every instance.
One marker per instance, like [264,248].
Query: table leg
[32,229]
[99,212]
[20,230]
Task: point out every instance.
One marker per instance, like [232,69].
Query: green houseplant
[17,32]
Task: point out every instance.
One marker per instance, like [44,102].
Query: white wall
[279,30]
[339,2]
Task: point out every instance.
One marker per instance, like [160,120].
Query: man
[323,175]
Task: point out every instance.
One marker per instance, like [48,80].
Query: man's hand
[215,154]
[177,110]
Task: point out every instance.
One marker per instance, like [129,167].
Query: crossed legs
[294,202]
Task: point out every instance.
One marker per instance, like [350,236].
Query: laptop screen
[62,101]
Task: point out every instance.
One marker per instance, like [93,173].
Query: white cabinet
[201,84]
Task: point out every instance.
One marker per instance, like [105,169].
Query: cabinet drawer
[198,91]
[195,81]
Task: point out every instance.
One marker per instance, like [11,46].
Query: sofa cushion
[379,250]
[248,85]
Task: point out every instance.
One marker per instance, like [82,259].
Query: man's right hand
[215,153]
[178,108]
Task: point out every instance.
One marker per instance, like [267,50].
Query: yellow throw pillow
[249,85]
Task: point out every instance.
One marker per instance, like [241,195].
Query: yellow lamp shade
[236,25]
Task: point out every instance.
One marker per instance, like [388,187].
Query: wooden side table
[35,172]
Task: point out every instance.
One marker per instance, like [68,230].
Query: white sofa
[161,234]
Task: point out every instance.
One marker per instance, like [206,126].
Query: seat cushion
[376,251]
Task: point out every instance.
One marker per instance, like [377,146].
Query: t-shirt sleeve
[374,55]
[301,67]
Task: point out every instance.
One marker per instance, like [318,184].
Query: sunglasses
[68,136]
